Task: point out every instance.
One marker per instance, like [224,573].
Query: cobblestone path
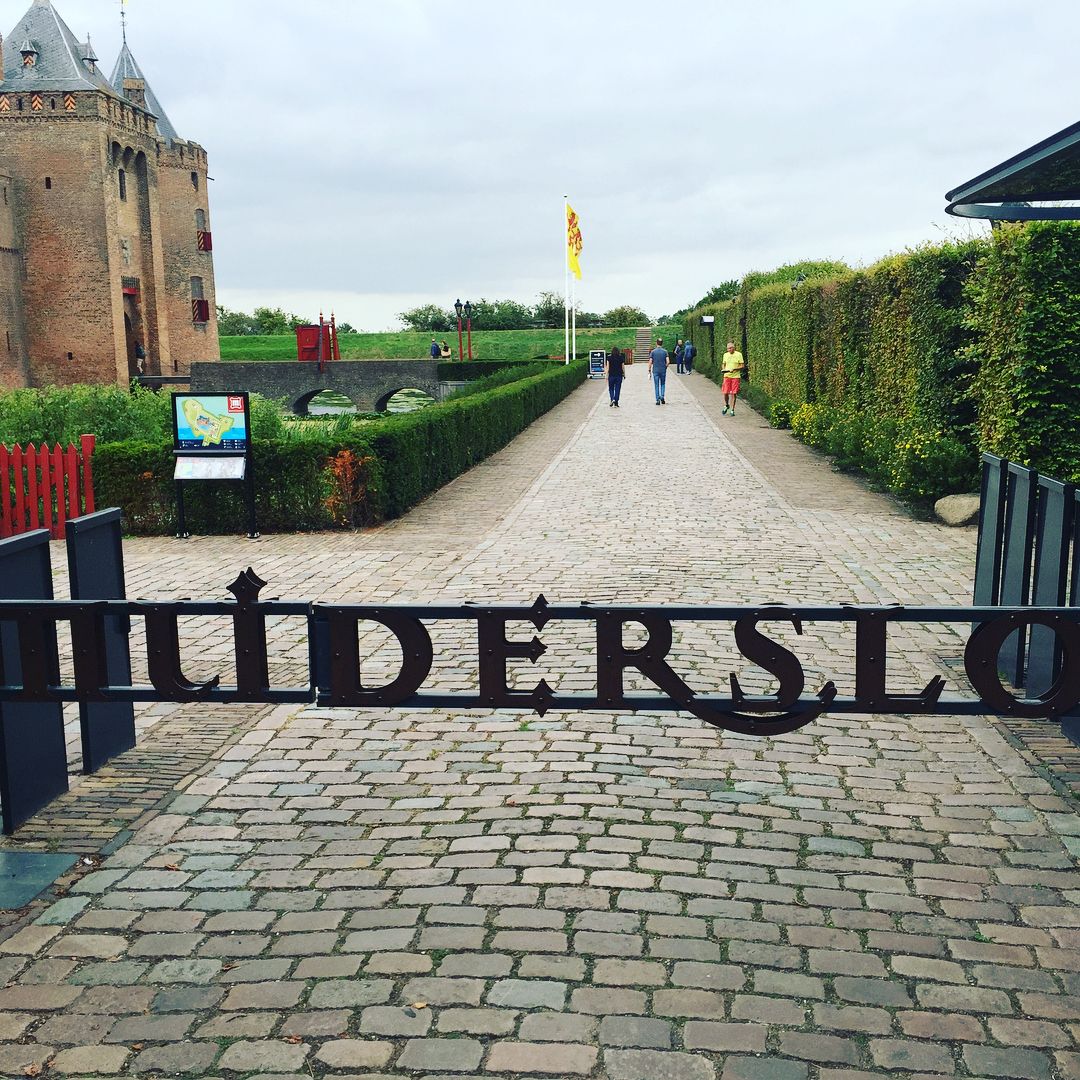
[375,894]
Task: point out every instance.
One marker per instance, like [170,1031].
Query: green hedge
[400,459]
[467,370]
[906,370]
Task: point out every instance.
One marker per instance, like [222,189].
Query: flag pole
[573,318]
[566,279]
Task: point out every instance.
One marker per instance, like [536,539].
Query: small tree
[428,319]
[626,316]
[235,323]
[549,310]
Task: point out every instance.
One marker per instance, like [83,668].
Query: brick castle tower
[104,219]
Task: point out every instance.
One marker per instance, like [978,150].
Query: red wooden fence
[42,488]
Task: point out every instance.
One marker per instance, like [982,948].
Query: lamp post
[468,319]
[458,309]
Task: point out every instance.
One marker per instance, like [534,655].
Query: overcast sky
[373,156]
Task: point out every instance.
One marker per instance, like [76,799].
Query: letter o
[981,660]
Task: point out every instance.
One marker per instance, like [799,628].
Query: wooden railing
[43,487]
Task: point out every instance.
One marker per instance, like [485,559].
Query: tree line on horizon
[546,313]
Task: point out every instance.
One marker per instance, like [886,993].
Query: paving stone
[270,1055]
[724,1038]
[395,1021]
[274,995]
[478,1021]
[436,991]
[899,1054]
[71,1029]
[695,1003]
[767,1068]
[155,1028]
[656,1065]
[458,1055]
[558,1027]
[183,1058]
[998,1061]
[355,1054]
[346,992]
[527,994]
[100,1060]
[821,1048]
[636,1031]
[559,1059]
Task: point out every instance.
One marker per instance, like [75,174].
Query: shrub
[334,474]
[780,414]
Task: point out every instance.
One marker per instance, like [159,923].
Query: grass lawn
[487,344]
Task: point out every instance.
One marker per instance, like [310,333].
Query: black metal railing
[1028,555]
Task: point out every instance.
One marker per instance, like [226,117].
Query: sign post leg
[181,526]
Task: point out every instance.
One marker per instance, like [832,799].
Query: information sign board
[212,441]
[597,360]
[211,423]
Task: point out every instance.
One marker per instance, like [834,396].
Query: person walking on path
[680,352]
[689,352]
[616,369]
[733,367]
[658,365]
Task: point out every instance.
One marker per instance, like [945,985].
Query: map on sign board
[215,422]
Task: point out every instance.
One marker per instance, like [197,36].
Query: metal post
[460,347]
[181,526]
[470,337]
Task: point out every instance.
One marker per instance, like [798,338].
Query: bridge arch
[301,405]
[382,402]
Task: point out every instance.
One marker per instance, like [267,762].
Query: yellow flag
[573,241]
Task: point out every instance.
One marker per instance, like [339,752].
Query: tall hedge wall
[909,368]
[360,474]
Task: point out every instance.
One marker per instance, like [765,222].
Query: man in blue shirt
[658,365]
[435,350]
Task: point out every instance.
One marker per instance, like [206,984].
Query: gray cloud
[380,155]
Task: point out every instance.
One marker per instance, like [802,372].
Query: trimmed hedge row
[906,370]
[374,471]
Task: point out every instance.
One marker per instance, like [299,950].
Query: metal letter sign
[335,662]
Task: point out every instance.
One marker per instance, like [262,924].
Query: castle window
[71,356]
[48,183]
[200,307]
[123,185]
[195,180]
[9,342]
[18,104]
[52,103]
[200,220]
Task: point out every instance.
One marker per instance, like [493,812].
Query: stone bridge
[369,384]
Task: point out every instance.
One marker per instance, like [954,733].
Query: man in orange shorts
[733,367]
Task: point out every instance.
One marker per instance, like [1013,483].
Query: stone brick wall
[57,161]
[74,238]
[367,383]
[14,370]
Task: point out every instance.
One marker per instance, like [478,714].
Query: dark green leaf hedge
[908,369]
[407,457]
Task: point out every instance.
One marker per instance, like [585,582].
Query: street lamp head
[457,307]
[468,309]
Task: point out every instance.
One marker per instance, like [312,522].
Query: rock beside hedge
[958,510]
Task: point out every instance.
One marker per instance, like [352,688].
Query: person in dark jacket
[688,354]
[616,370]
[435,351]
[680,351]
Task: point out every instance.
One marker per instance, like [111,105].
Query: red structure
[43,489]
[318,343]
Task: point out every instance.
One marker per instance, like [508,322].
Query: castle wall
[14,367]
[58,166]
[182,190]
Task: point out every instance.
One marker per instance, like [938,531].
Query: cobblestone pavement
[638,897]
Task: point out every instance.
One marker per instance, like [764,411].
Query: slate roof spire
[128,69]
[58,57]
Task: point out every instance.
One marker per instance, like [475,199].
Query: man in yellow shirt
[733,367]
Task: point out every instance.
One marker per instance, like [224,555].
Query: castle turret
[108,239]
